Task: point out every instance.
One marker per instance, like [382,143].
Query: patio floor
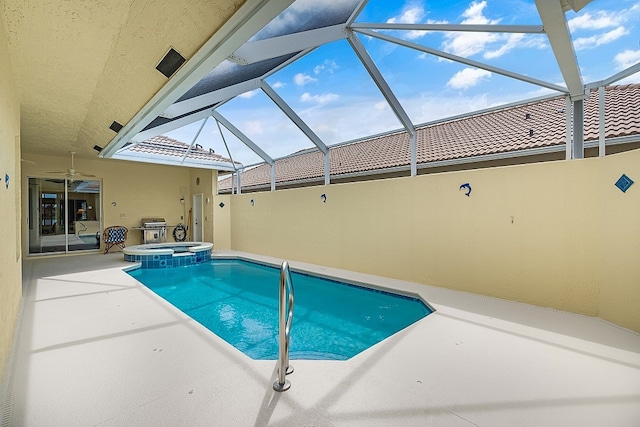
[97,348]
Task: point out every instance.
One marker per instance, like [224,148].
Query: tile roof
[514,128]
[172,148]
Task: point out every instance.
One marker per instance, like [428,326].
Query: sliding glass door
[64,215]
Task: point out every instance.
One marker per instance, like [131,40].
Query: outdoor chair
[115,235]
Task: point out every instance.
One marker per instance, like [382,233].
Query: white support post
[327,169]
[239,182]
[414,155]
[601,122]
[578,129]
[273,177]
[568,115]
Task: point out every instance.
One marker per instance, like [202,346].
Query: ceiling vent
[115,126]
[170,63]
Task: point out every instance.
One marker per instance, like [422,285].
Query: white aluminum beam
[273,177]
[274,47]
[622,74]
[578,129]
[379,80]
[528,29]
[293,116]
[555,26]
[462,60]
[160,159]
[356,12]
[327,168]
[242,137]
[204,122]
[226,146]
[414,154]
[226,93]
[233,33]
[172,125]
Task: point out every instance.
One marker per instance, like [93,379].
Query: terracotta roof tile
[165,146]
[520,127]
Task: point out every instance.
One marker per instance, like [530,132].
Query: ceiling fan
[72,173]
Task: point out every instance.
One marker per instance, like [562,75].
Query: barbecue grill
[154,230]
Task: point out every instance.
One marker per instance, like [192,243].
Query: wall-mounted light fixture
[182,200]
[324,198]
[221,205]
[252,202]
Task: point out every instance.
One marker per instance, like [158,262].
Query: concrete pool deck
[97,348]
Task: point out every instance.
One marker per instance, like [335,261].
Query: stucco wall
[547,234]
[222,222]
[10,256]
[618,234]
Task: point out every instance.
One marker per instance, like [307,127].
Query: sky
[333,93]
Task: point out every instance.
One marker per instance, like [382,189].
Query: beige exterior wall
[222,222]
[10,255]
[131,191]
[556,234]
[618,234]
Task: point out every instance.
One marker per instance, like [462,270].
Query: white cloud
[468,44]
[382,105]
[278,85]
[318,99]
[302,79]
[468,77]
[249,95]
[513,41]
[328,65]
[253,128]
[602,19]
[599,39]
[627,58]
[490,45]
[412,13]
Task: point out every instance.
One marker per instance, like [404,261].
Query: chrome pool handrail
[284,327]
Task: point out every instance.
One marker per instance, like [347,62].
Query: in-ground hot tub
[163,255]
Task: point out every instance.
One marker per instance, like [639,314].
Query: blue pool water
[238,301]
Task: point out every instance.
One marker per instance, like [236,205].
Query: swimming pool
[238,301]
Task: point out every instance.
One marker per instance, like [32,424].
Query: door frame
[198,218]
